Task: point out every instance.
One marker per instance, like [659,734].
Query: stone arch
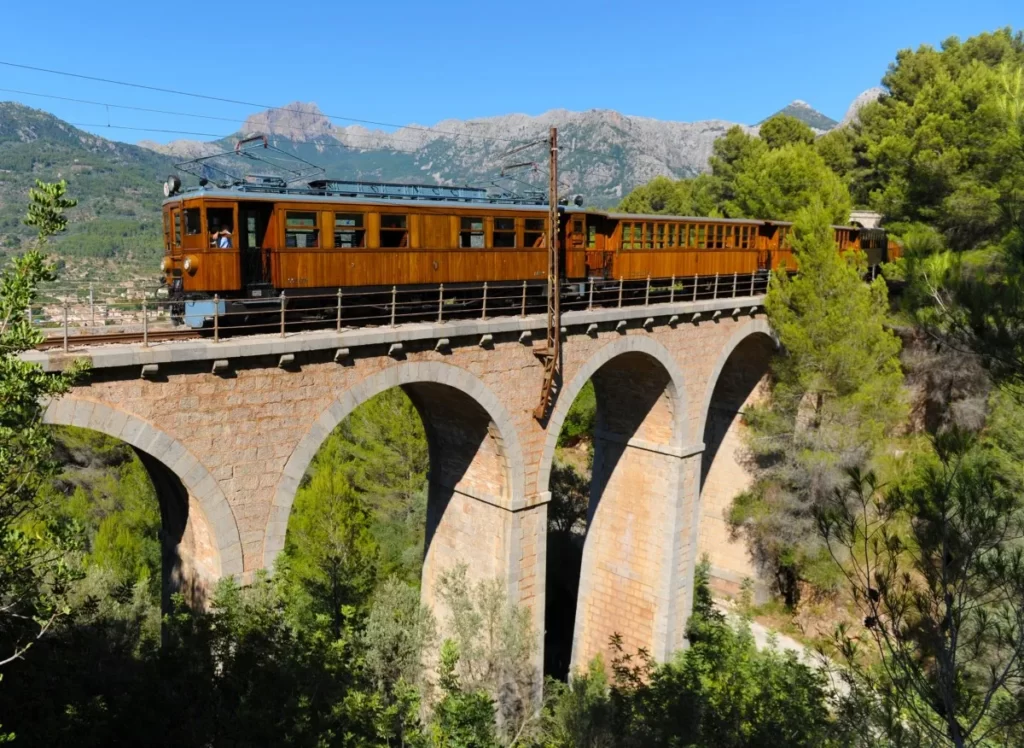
[737,381]
[191,499]
[627,583]
[450,400]
[623,345]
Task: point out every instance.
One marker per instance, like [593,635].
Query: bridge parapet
[573,322]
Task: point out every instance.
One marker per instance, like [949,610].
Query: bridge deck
[137,354]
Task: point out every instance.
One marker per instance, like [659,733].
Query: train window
[219,221]
[627,236]
[719,234]
[702,236]
[471,233]
[177,228]
[349,230]
[533,232]
[591,236]
[659,236]
[505,232]
[394,230]
[692,241]
[670,237]
[300,230]
[648,235]
[192,224]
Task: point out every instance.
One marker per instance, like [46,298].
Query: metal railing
[73,320]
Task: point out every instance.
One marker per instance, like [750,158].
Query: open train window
[193,225]
[219,221]
[627,236]
[349,231]
[394,230]
[300,230]
[505,232]
[591,236]
[471,233]
[533,232]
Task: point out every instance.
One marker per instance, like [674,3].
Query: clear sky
[419,61]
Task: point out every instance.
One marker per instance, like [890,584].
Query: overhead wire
[384,136]
[225,100]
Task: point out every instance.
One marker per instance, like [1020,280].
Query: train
[233,249]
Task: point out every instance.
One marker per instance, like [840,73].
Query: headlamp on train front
[191,264]
[165,265]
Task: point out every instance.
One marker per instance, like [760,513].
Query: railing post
[714,293]
[620,291]
[647,293]
[394,301]
[672,291]
[145,324]
[590,302]
[65,325]
[735,278]
[92,308]
[440,303]
[522,311]
[484,313]
[753,277]
[216,318]
[338,322]
[282,313]
[696,283]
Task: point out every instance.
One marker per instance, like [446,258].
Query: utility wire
[239,102]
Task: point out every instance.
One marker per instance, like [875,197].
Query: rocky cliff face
[604,154]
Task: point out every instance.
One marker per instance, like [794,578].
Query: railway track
[85,339]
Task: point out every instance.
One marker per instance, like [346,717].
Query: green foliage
[381,449]
[721,691]
[937,566]
[937,148]
[781,182]
[836,394]
[329,553]
[36,570]
[782,130]
[579,421]
[461,719]
[495,643]
[770,177]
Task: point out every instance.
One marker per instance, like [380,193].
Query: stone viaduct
[227,430]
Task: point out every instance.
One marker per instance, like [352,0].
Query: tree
[329,552]
[720,691]
[781,182]
[35,570]
[835,395]
[495,644]
[938,568]
[782,130]
[936,148]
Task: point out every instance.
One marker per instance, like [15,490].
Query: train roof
[315,196]
[664,217]
[436,196]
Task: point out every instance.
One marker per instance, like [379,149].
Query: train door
[575,245]
[254,219]
[599,259]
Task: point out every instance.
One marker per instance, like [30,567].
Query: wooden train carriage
[638,246]
[315,241]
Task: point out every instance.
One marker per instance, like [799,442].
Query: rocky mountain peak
[299,122]
[853,113]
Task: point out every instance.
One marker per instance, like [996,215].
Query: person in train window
[224,239]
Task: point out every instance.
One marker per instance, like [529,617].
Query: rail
[71,320]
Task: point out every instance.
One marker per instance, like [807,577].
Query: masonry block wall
[239,442]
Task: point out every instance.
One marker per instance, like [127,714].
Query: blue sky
[422,62]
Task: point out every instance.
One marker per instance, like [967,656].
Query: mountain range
[603,155]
